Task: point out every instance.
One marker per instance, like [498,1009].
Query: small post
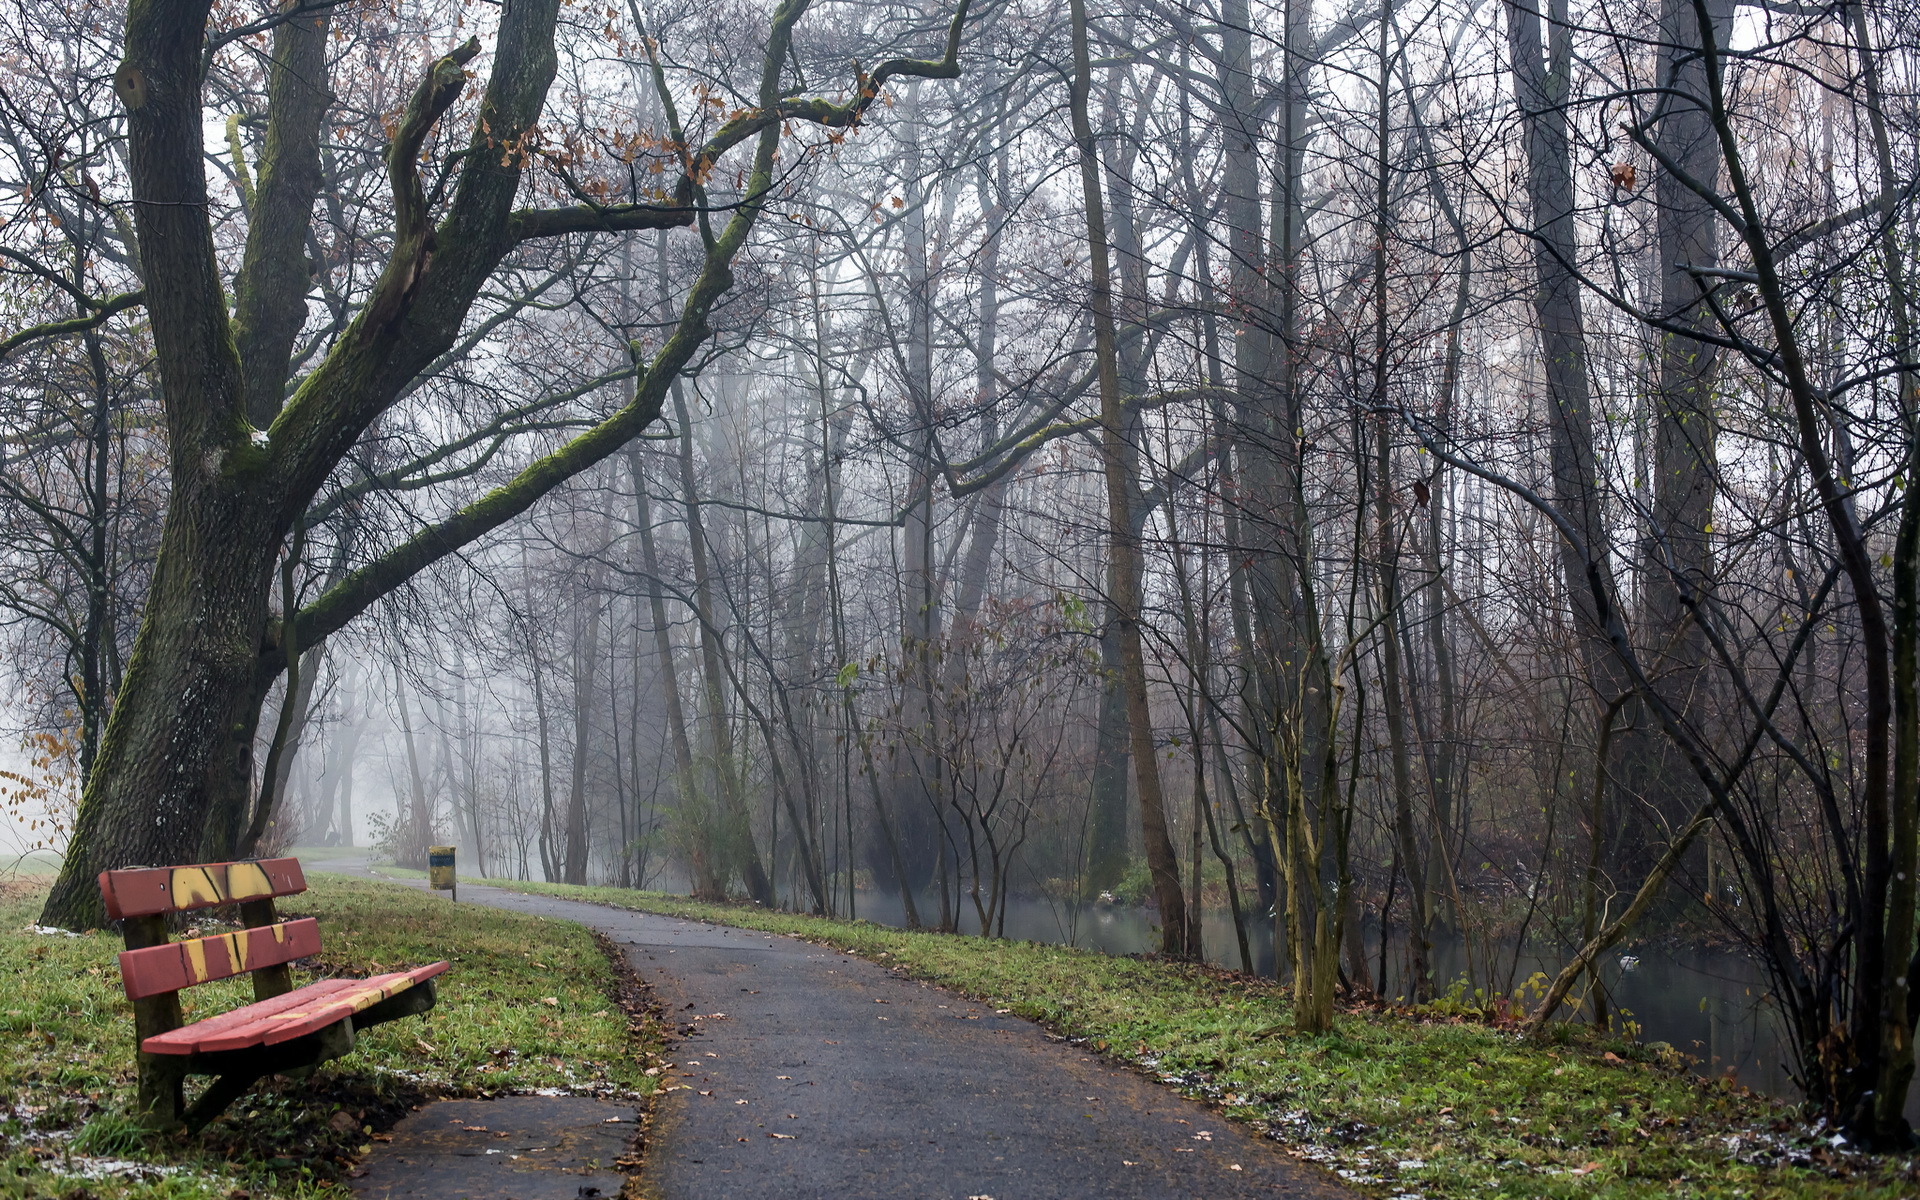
[440,870]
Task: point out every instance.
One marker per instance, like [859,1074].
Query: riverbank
[529,1004]
[1396,1103]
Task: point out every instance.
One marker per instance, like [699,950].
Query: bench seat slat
[283,1018]
[182,964]
[145,891]
[184,1039]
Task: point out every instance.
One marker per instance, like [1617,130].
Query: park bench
[285,1031]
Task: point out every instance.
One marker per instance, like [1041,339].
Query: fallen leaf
[785,1137]
[550,1001]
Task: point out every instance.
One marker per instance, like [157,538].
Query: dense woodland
[1390,470]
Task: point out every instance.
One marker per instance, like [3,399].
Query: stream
[1706,1003]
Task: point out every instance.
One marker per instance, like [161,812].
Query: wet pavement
[803,1072]
[513,1148]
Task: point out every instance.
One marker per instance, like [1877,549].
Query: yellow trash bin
[440,870]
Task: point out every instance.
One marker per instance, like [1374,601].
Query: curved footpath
[812,1073]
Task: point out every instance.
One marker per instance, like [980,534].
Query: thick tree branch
[104,310]
[270,293]
[531,223]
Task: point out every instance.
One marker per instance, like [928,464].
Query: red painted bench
[285,1031]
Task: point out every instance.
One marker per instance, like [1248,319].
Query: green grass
[529,1003]
[1395,1102]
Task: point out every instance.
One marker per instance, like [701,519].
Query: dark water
[1708,1004]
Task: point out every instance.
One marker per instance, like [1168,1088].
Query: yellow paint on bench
[194,885]
[246,881]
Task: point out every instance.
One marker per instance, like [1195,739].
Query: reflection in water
[1710,1004]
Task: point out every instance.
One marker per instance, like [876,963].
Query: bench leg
[159,1102]
[160,1099]
[294,1059]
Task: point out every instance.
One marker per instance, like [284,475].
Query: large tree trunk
[543,724]
[1540,90]
[1108,789]
[736,830]
[1410,835]
[1123,533]
[691,827]
[586,654]
[416,826]
[1249,292]
[915,785]
[347,748]
[1678,557]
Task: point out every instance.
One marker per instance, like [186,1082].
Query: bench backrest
[143,891]
[182,964]
[153,966]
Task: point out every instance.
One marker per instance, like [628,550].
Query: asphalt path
[800,1071]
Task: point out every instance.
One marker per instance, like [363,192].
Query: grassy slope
[528,1004]
[1435,1107]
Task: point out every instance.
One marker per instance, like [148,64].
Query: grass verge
[529,1003]
[1398,1104]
